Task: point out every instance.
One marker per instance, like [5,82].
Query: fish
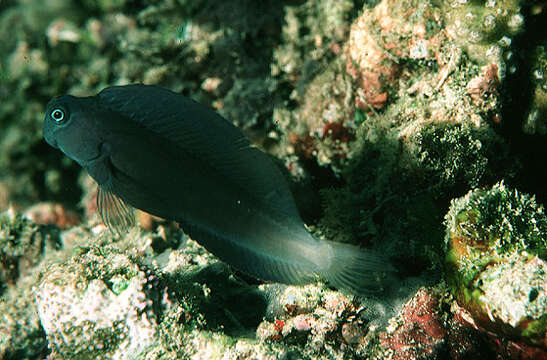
[150,148]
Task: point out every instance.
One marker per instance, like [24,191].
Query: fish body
[165,154]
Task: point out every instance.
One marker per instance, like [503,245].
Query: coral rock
[421,333]
[496,260]
[98,306]
[52,213]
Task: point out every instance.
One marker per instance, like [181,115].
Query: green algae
[479,24]
[393,181]
[536,119]
[536,329]
[397,188]
[496,252]
[99,347]
[22,244]
[501,220]
[431,141]
[457,155]
[69,297]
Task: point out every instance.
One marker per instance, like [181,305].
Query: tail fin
[357,270]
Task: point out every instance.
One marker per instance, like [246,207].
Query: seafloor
[415,128]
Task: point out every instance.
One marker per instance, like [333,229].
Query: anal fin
[249,261]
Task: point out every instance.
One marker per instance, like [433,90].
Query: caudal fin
[357,270]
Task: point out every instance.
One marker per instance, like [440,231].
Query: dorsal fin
[200,130]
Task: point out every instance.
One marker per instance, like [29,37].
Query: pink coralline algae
[52,213]
[422,331]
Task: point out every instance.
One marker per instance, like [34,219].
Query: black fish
[161,152]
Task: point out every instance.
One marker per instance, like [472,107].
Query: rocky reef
[496,252]
[414,128]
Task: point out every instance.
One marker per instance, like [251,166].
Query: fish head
[70,125]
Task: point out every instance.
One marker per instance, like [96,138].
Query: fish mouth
[100,155]
[51,142]
[94,158]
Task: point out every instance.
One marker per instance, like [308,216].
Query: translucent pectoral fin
[115,213]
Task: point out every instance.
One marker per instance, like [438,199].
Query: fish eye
[58,115]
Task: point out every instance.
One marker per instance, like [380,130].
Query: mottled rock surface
[496,261]
[380,113]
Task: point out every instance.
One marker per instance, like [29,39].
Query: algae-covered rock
[496,261]
[100,305]
[307,314]
[48,213]
[21,333]
[536,120]
[22,244]
[388,108]
[454,157]
[317,322]
[484,28]
[398,188]
[406,117]
[403,64]
[419,331]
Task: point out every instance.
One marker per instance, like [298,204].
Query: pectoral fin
[115,213]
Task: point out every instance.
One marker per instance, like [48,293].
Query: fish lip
[88,162]
[95,158]
[52,143]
